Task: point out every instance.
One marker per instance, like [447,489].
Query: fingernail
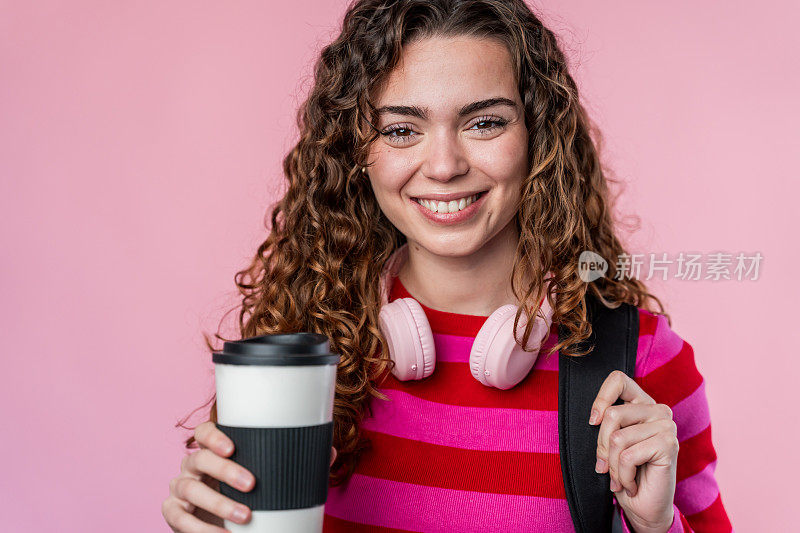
[239,514]
[600,466]
[629,493]
[593,417]
[615,486]
[244,481]
[225,446]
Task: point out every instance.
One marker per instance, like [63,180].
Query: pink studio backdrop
[140,147]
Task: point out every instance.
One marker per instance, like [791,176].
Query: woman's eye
[399,134]
[493,125]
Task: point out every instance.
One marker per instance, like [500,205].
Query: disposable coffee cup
[275,402]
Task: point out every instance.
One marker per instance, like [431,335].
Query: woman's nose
[445,157]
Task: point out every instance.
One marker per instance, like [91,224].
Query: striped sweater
[450,454]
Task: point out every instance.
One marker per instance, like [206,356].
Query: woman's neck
[476,284]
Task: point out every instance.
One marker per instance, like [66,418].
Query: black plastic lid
[284,349]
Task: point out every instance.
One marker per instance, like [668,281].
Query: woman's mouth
[451,212]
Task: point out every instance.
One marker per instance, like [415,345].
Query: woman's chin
[448,247]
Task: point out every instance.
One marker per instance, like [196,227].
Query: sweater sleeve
[666,370]
[679,523]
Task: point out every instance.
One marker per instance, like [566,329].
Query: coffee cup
[275,402]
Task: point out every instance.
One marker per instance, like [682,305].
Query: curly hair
[318,269]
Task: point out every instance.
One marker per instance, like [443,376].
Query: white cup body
[274,396]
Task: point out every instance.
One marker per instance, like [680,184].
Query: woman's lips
[452,218]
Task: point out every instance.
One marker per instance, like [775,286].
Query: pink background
[140,147]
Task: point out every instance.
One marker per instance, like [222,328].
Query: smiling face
[451,123]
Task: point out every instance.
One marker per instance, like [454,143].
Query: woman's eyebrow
[422,112]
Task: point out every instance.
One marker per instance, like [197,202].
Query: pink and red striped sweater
[450,454]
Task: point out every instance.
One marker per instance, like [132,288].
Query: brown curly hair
[318,269]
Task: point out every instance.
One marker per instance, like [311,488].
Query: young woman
[448,136]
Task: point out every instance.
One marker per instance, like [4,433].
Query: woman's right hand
[194,504]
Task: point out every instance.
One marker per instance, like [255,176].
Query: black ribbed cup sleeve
[291,465]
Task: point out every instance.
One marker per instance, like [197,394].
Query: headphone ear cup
[496,360]
[409,338]
[492,350]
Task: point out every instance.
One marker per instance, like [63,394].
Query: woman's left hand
[638,446]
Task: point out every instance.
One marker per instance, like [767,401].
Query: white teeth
[452,206]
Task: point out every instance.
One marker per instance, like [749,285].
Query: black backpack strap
[615,336]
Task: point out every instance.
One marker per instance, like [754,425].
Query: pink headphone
[496,360]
